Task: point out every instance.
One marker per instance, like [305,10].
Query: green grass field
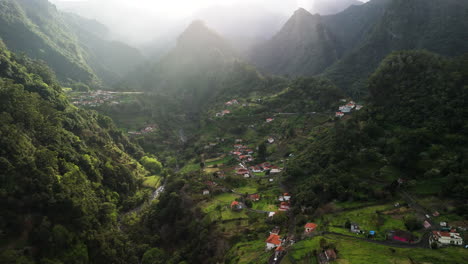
[246,189]
[152,182]
[368,219]
[352,251]
[249,252]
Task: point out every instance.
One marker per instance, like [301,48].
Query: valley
[342,138]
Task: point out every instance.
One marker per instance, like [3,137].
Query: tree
[151,164]
[262,152]
[154,256]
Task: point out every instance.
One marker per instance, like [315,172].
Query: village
[98,98]
[260,201]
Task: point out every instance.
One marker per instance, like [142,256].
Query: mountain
[304,46]
[36,28]
[65,173]
[405,25]
[243,25]
[346,47]
[110,60]
[202,66]
[76,49]
[328,7]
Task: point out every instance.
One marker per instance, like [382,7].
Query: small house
[271,214]
[236,206]
[269,120]
[271,140]
[330,254]
[285,197]
[443,224]
[254,197]
[339,114]
[447,238]
[206,192]
[242,171]
[273,241]
[354,228]
[359,107]
[275,169]
[310,227]
[426,224]
[284,206]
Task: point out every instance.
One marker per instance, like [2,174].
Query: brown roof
[331,254]
[274,239]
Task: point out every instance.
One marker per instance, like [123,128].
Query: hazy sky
[182,8]
[142,22]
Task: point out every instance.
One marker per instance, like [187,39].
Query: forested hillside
[304,46]
[65,173]
[413,128]
[65,42]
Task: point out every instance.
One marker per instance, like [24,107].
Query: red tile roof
[274,239]
[310,225]
[234,203]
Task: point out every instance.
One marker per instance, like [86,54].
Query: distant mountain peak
[197,33]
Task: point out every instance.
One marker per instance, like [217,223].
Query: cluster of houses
[347,108]
[266,166]
[95,98]
[232,102]
[223,113]
[145,130]
[244,153]
[227,112]
[446,236]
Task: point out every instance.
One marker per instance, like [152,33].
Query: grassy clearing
[152,182]
[190,168]
[368,219]
[249,252]
[264,206]
[219,208]
[218,161]
[362,252]
[246,189]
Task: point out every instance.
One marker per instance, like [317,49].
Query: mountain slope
[405,25]
[75,48]
[111,60]
[412,126]
[200,68]
[304,46]
[36,28]
[328,7]
[64,172]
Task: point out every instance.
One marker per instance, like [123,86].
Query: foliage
[64,172]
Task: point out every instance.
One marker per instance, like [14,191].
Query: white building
[447,238]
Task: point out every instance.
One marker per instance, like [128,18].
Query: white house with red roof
[273,241]
[275,169]
[269,120]
[339,114]
[285,197]
[447,238]
[310,227]
[284,206]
